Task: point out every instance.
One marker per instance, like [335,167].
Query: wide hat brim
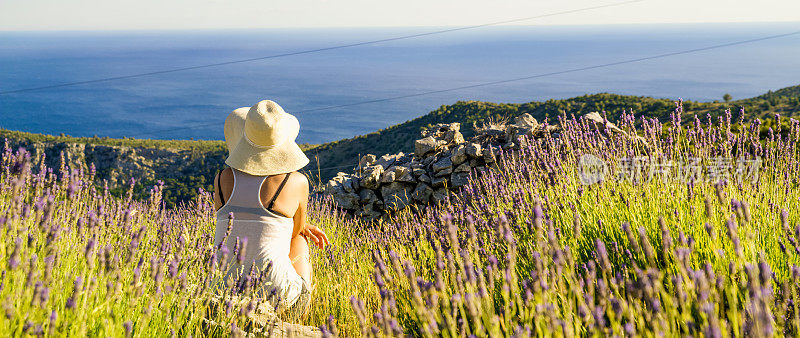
[284,158]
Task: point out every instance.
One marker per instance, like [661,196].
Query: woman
[268,200]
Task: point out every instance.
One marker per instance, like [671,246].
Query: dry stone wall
[440,164]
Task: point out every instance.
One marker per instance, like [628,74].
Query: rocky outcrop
[117,165]
[442,162]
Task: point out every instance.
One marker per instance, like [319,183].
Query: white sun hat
[267,145]
[234,125]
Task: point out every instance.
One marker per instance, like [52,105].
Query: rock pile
[442,162]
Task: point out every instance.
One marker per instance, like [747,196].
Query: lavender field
[690,228]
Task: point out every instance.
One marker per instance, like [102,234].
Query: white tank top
[268,234]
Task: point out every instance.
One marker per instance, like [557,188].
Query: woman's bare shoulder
[299,180]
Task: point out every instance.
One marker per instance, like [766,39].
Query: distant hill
[401,137]
[186,165]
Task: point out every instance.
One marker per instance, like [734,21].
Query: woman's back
[259,205]
[286,202]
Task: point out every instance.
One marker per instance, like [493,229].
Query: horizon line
[388,27]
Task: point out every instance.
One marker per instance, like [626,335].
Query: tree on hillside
[727,97]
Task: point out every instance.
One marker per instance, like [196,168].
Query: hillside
[186,165]
[401,137]
[183,165]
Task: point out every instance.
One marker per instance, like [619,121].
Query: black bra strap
[280,187]
[219,186]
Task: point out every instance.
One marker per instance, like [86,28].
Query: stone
[349,184]
[367,196]
[339,179]
[346,200]
[597,118]
[442,161]
[395,196]
[488,155]
[492,131]
[403,159]
[422,193]
[366,161]
[439,195]
[425,146]
[444,172]
[442,164]
[365,209]
[342,183]
[398,173]
[454,137]
[474,150]
[333,186]
[406,176]
[371,177]
[521,129]
[459,179]
[386,161]
[425,178]
[439,182]
[463,168]
[459,154]
[400,169]
[388,176]
[368,212]
[446,134]
[526,120]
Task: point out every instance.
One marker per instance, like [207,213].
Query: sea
[344,92]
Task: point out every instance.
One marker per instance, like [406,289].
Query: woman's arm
[301,226]
[300,216]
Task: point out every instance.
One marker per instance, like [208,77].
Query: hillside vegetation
[401,137]
[195,163]
[183,166]
[199,145]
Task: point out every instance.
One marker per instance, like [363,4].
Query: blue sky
[216,14]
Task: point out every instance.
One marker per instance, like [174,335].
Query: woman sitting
[268,200]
